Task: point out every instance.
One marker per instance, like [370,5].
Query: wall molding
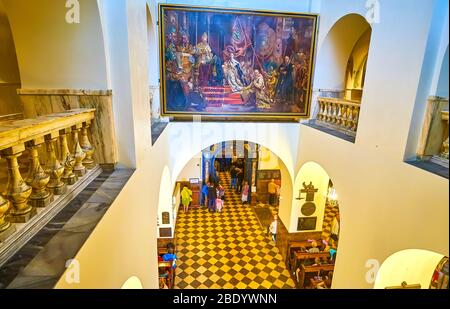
[75,92]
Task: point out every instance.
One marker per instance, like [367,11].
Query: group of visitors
[213,196]
[237,181]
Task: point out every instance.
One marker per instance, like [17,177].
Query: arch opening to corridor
[223,240]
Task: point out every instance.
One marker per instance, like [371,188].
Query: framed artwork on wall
[236,63]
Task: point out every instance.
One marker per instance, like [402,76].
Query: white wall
[314,173]
[436,44]
[386,205]
[192,169]
[9,70]
[53,53]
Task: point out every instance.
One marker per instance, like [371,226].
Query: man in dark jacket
[212,195]
[240,179]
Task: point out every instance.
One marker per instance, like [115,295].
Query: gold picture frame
[214,60]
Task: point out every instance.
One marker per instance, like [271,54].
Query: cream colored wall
[193,169]
[386,205]
[70,55]
[359,58]
[9,70]
[267,160]
[310,172]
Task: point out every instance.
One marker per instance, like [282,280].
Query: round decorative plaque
[308,209]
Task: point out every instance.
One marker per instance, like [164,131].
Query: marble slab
[39,102]
[41,262]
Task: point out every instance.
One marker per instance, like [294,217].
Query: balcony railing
[339,114]
[67,153]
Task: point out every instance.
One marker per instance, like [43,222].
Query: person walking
[245,191]
[212,195]
[233,172]
[273,228]
[204,194]
[240,179]
[186,198]
[272,189]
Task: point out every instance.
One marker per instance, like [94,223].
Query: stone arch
[336,50]
[53,53]
[132,283]
[413,266]
[286,193]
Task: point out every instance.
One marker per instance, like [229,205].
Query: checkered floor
[227,250]
[330,213]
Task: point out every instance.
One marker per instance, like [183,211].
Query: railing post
[17,190]
[37,178]
[6,228]
[78,153]
[53,167]
[87,147]
[66,158]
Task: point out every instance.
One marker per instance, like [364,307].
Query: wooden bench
[295,246]
[304,270]
[301,256]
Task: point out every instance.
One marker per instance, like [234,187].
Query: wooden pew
[301,256]
[312,269]
[295,246]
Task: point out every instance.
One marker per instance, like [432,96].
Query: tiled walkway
[227,250]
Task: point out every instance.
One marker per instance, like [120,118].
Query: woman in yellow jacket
[186,198]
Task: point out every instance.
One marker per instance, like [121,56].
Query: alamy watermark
[371,274]
[373,13]
[73,12]
[72,275]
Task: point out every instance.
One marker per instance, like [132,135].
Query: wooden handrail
[20,131]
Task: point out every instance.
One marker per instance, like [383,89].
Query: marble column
[17,191]
[37,178]
[87,147]
[78,152]
[6,228]
[53,167]
[66,159]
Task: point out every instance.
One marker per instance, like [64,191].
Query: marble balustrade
[433,142]
[64,163]
[339,113]
[41,102]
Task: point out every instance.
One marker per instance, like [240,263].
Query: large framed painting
[235,63]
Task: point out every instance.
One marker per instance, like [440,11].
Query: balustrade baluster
[355,119]
[6,228]
[87,147]
[66,158]
[78,153]
[53,167]
[321,110]
[344,119]
[37,178]
[17,191]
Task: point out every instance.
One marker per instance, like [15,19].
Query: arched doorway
[340,76]
[232,248]
[413,268]
[348,41]
[315,219]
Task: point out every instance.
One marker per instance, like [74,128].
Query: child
[245,191]
[221,192]
[219,204]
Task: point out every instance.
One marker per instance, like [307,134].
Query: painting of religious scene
[232,62]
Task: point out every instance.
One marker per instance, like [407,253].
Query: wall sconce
[332,197]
